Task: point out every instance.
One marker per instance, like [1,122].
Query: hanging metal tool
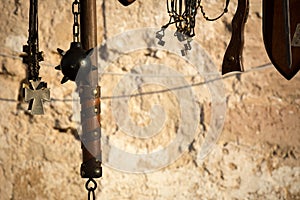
[183,14]
[90,93]
[35,91]
[76,57]
[79,64]
[281,31]
[233,58]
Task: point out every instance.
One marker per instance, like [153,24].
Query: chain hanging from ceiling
[183,15]
[76,57]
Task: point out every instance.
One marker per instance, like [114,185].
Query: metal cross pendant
[36,92]
[36,95]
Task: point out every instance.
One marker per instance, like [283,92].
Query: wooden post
[89,93]
[88,21]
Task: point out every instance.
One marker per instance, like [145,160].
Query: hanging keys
[76,57]
[35,91]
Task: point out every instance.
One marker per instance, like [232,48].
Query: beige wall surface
[256,155]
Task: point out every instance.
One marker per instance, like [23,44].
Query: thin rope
[253,69]
[256,68]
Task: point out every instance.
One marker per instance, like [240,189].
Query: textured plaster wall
[256,156]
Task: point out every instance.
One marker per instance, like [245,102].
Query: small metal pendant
[72,60]
[36,93]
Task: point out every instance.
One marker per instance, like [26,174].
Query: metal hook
[91,190]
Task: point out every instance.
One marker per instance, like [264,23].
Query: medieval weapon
[76,57]
[35,91]
[90,93]
[281,33]
[76,65]
[77,60]
[233,58]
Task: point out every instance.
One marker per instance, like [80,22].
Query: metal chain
[33,56]
[91,189]
[38,56]
[183,14]
[76,26]
[216,18]
[35,65]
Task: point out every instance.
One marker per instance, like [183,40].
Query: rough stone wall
[256,157]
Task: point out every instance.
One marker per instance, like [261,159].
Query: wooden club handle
[233,60]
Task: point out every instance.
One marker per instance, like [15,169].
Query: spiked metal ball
[72,60]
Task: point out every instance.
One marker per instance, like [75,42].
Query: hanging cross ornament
[37,94]
[76,57]
[183,14]
[32,58]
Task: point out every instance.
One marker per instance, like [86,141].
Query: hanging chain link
[91,189]
[35,91]
[76,26]
[33,56]
[35,39]
[183,14]
[225,10]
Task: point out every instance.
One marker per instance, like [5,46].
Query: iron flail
[77,65]
[72,60]
[76,57]
[89,93]
[35,91]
